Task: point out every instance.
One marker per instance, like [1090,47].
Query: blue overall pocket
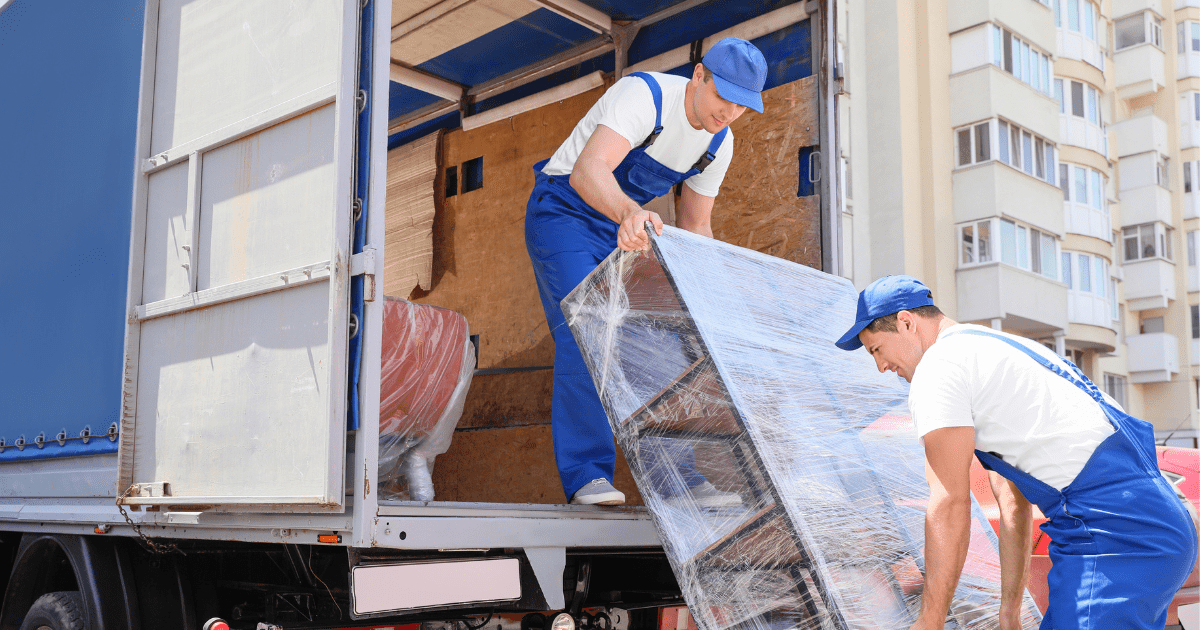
[648,182]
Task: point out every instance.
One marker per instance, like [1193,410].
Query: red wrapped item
[427,363]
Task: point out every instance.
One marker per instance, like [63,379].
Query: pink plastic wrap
[427,363]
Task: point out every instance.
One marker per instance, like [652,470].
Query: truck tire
[56,611]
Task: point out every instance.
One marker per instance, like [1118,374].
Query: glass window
[1008,242]
[1129,31]
[1058,96]
[964,147]
[1096,190]
[1008,56]
[1195,322]
[1049,266]
[1191,248]
[1195,36]
[1162,174]
[1015,146]
[1073,15]
[1196,106]
[1035,252]
[1077,99]
[982,136]
[1112,299]
[1180,38]
[1066,269]
[1026,75]
[1114,386]
[1164,243]
[1080,185]
[1156,31]
[1058,13]
[968,244]
[1132,251]
[1064,181]
[997,53]
[1039,154]
[1100,272]
[1022,247]
[1187,177]
[1027,152]
[983,234]
[1003,144]
[1089,21]
[1093,110]
[1050,163]
[1147,238]
[1085,278]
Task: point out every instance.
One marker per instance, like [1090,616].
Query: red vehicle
[1181,467]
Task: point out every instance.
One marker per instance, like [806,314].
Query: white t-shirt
[1033,418]
[628,109]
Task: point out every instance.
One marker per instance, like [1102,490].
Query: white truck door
[236,343]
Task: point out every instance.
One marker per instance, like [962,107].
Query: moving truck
[207,203]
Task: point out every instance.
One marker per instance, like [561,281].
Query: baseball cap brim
[738,95]
[850,340]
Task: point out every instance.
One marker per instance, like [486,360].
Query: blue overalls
[1122,543]
[567,239]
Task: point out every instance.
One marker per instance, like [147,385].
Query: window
[1083,186]
[1138,29]
[1093,106]
[1195,322]
[1191,247]
[1189,36]
[1084,100]
[1151,325]
[1187,177]
[1162,173]
[974,144]
[1026,248]
[1084,275]
[1066,269]
[976,242]
[1058,96]
[1114,386]
[1077,99]
[1020,59]
[1112,299]
[1149,240]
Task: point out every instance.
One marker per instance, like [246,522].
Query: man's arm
[948,455]
[695,212]
[592,177]
[1016,523]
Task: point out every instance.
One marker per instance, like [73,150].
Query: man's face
[898,351]
[714,112]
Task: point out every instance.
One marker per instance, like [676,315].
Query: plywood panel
[758,207]
[513,465]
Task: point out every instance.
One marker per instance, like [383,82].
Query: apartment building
[1037,163]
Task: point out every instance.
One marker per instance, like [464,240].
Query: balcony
[1191,204]
[1149,284]
[1084,219]
[1078,132]
[1089,308]
[1195,351]
[1121,8]
[987,91]
[1145,204]
[1088,337]
[994,189]
[1193,279]
[1073,45]
[1141,134]
[1189,134]
[1034,22]
[1153,357]
[1139,70]
[1188,65]
[1183,4]
[1026,302]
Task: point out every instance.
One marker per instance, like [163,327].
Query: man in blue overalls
[646,134]
[1122,543]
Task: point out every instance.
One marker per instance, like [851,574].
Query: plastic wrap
[716,365]
[427,363]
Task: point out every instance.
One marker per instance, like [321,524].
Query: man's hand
[1016,525]
[632,233]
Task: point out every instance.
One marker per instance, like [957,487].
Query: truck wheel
[56,611]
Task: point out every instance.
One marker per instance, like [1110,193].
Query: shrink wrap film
[782,473]
[427,363]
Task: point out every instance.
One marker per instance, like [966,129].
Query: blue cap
[887,295]
[739,70]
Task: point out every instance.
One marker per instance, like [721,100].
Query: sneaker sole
[603,498]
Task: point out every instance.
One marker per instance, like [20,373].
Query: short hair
[887,323]
[707,73]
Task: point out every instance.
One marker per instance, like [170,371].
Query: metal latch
[154,489]
[363,264]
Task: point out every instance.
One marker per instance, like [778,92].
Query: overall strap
[1082,382]
[656,92]
[711,154]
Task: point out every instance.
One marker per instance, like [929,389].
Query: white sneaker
[598,492]
[706,495]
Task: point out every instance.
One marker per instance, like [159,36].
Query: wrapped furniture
[427,364]
[716,364]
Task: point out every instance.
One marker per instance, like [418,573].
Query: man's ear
[905,318]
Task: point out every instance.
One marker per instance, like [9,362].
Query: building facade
[1037,164]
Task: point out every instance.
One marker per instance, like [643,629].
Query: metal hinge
[154,489]
[363,264]
[360,101]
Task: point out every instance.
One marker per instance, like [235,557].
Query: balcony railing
[1089,308]
[1153,357]
[1078,132]
[1024,301]
[1145,204]
[1139,70]
[1149,284]
[1074,45]
[1141,134]
[1189,134]
[994,189]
